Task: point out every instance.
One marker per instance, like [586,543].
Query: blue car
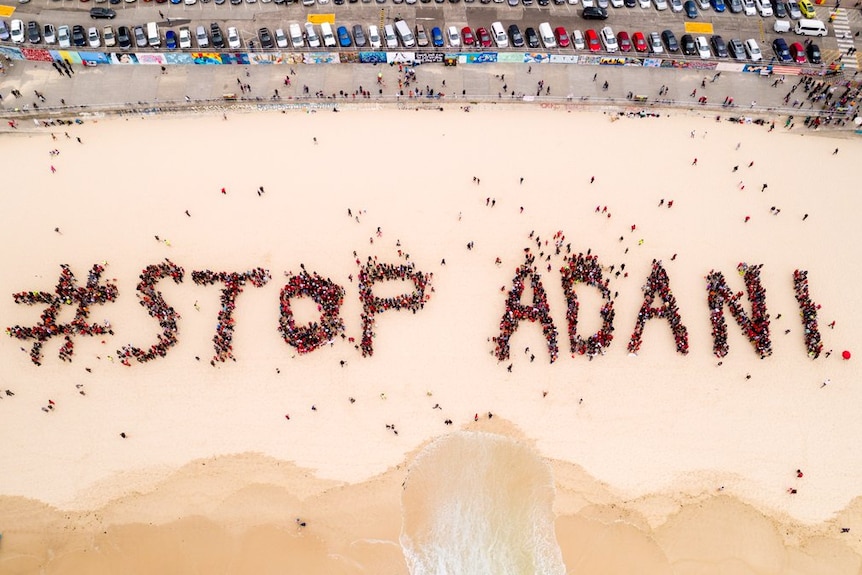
[344,37]
[717,5]
[781,50]
[690,9]
[171,40]
[436,37]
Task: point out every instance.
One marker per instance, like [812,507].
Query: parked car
[98,12]
[16,31]
[233,39]
[749,8]
[93,37]
[124,37]
[467,36]
[793,10]
[676,5]
[592,40]
[108,37]
[532,38]
[736,49]
[265,38]
[201,37]
[421,36]
[670,41]
[281,37]
[453,36]
[797,52]
[655,45]
[216,35]
[782,52]
[702,47]
[660,4]
[718,46]
[79,38]
[753,50]
[343,35]
[639,42]
[578,42]
[778,9]
[687,45]
[515,36]
[813,51]
[624,42]
[562,37]
[483,38]
[764,7]
[360,40]
[4,31]
[170,40]
[374,36]
[34,33]
[49,33]
[609,39]
[735,6]
[185,38]
[718,5]
[690,9]
[807,9]
[64,37]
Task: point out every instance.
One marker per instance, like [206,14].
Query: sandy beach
[660,462]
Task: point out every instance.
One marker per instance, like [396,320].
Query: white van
[547,35]
[373,37]
[389,36]
[403,30]
[295,33]
[153,37]
[806,27]
[499,34]
[327,35]
[311,35]
[781,26]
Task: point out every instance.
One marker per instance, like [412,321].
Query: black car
[781,50]
[595,13]
[102,13]
[542,2]
[670,41]
[515,36]
[265,38]
[778,9]
[532,38]
[34,35]
[215,32]
[719,47]
[687,43]
[813,52]
[630,3]
[78,37]
[124,37]
[359,36]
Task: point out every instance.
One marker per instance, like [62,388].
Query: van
[499,34]
[296,35]
[389,36]
[311,36]
[781,26]
[547,35]
[806,27]
[153,37]
[202,37]
[403,30]
[327,35]
[373,37]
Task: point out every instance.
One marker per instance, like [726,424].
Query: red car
[467,36]
[797,52]
[483,38]
[592,39]
[562,37]
[639,42]
[623,42]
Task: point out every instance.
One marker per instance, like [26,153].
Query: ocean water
[478,503]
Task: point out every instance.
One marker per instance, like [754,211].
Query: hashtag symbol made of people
[66,293]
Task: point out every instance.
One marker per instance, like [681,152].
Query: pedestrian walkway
[846,45]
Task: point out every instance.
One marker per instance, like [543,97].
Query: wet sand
[668,457]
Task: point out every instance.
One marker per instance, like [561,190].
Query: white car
[190,2]
[660,4]
[617,3]
[49,34]
[16,31]
[185,38]
[201,37]
[311,36]
[749,8]
[280,38]
[764,7]
[654,41]
[588,3]
[702,47]
[753,50]
[233,40]
[109,37]
[703,4]
[676,5]
[609,40]
[453,36]
[93,38]
[64,37]
[373,37]
[389,36]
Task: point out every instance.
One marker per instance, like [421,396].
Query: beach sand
[661,463]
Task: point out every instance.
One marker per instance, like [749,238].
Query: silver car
[140,37]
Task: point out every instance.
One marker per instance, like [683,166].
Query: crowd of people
[586,269]
[516,312]
[659,283]
[808,312]
[373,272]
[233,286]
[66,292]
[756,328]
[328,295]
[157,307]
